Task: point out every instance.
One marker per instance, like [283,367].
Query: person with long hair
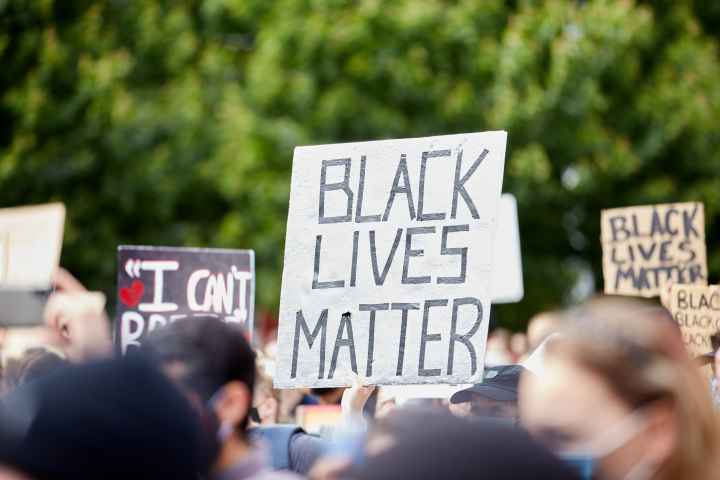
[620,394]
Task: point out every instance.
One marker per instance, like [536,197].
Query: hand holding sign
[80,320]
[354,398]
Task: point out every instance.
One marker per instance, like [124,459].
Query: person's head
[618,386]
[213,363]
[429,444]
[495,397]
[328,396]
[33,364]
[542,326]
[116,419]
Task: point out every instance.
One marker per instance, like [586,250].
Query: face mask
[609,442]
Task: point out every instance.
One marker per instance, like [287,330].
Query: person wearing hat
[496,396]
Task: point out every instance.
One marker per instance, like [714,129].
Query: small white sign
[30,243]
[507,283]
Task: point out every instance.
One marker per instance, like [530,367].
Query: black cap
[500,383]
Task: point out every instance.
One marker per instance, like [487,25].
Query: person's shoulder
[305,449]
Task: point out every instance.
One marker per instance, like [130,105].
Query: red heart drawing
[132,296]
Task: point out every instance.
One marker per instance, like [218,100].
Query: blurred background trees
[174,122]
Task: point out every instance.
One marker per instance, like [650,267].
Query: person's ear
[233,405]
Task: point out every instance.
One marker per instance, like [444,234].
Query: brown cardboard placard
[696,309]
[644,247]
[30,243]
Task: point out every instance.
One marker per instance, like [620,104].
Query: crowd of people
[604,390]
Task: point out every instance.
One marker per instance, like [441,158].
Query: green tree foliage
[174,122]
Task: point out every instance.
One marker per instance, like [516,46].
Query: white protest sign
[388,260]
[30,243]
[507,277]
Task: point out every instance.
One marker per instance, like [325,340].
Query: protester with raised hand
[73,327]
[620,396]
[214,364]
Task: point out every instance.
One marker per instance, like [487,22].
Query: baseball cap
[500,383]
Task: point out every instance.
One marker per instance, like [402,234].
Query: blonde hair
[637,348]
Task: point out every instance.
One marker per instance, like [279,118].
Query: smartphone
[22,307]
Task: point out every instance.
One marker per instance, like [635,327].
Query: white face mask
[613,439]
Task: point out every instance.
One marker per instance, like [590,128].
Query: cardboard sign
[30,244]
[644,247]
[697,310]
[507,274]
[388,261]
[158,285]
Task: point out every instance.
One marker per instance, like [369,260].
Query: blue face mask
[583,465]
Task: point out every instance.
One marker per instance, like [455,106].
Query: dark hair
[435,445]
[112,420]
[35,363]
[715,341]
[209,352]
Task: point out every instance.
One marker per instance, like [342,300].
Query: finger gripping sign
[388,261]
[696,309]
[645,247]
[158,285]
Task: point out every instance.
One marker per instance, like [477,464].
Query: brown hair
[636,347]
